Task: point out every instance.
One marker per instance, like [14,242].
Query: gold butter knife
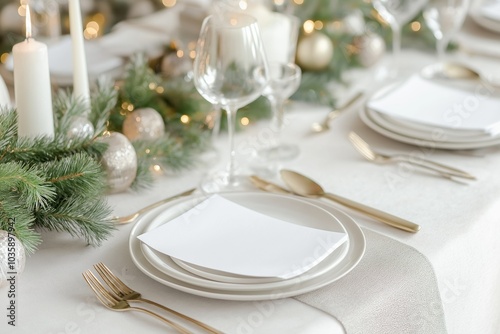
[133,216]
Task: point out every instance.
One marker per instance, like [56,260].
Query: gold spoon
[303,186]
[453,71]
[325,124]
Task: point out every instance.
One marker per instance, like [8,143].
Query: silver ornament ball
[314,51]
[80,127]
[371,48]
[12,256]
[119,161]
[144,123]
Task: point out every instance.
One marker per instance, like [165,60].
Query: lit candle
[32,86]
[80,75]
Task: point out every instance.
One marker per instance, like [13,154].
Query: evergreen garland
[54,184]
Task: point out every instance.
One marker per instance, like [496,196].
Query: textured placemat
[392,290]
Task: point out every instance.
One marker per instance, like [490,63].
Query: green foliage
[55,184]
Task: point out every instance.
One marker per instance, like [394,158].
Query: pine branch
[79,217]
[103,100]
[27,184]
[14,210]
[8,128]
[79,174]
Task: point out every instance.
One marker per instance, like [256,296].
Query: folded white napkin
[222,235]
[437,105]
[148,34]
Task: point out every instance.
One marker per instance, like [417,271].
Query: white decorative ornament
[119,161]
[144,123]
[370,49]
[80,127]
[12,257]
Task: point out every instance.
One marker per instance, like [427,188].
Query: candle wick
[28,23]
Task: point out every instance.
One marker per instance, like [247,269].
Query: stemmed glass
[284,80]
[444,18]
[397,13]
[230,70]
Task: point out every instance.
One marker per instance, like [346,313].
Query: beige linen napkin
[392,290]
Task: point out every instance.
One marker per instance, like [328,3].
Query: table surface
[459,226]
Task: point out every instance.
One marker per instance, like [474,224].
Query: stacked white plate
[203,281]
[403,122]
[487,15]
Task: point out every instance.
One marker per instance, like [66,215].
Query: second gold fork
[368,153]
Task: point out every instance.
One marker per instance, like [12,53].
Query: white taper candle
[32,86]
[80,74]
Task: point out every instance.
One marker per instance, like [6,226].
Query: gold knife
[133,216]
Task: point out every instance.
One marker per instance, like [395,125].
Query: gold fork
[123,292]
[110,301]
[368,153]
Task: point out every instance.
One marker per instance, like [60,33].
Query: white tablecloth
[459,222]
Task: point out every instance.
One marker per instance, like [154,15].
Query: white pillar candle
[278,33]
[32,86]
[80,75]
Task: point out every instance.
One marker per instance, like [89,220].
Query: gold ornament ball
[314,51]
[119,161]
[144,123]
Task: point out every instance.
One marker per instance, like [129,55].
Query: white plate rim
[350,261]
[484,21]
[423,142]
[172,268]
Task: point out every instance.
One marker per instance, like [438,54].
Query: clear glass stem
[278,109]
[216,121]
[231,127]
[441,45]
[396,45]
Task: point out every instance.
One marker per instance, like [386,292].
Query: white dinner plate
[353,256]
[290,209]
[420,134]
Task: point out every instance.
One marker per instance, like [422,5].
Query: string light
[308,26]
[245,121]
[185,119]
[169,3]
[416,26]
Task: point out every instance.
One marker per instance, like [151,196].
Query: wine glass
[444,18]
[284,80]
[397,13]
[230,70]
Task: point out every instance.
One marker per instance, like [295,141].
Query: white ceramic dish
[420,134]
[484,21]
[287,208]
[354,254]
